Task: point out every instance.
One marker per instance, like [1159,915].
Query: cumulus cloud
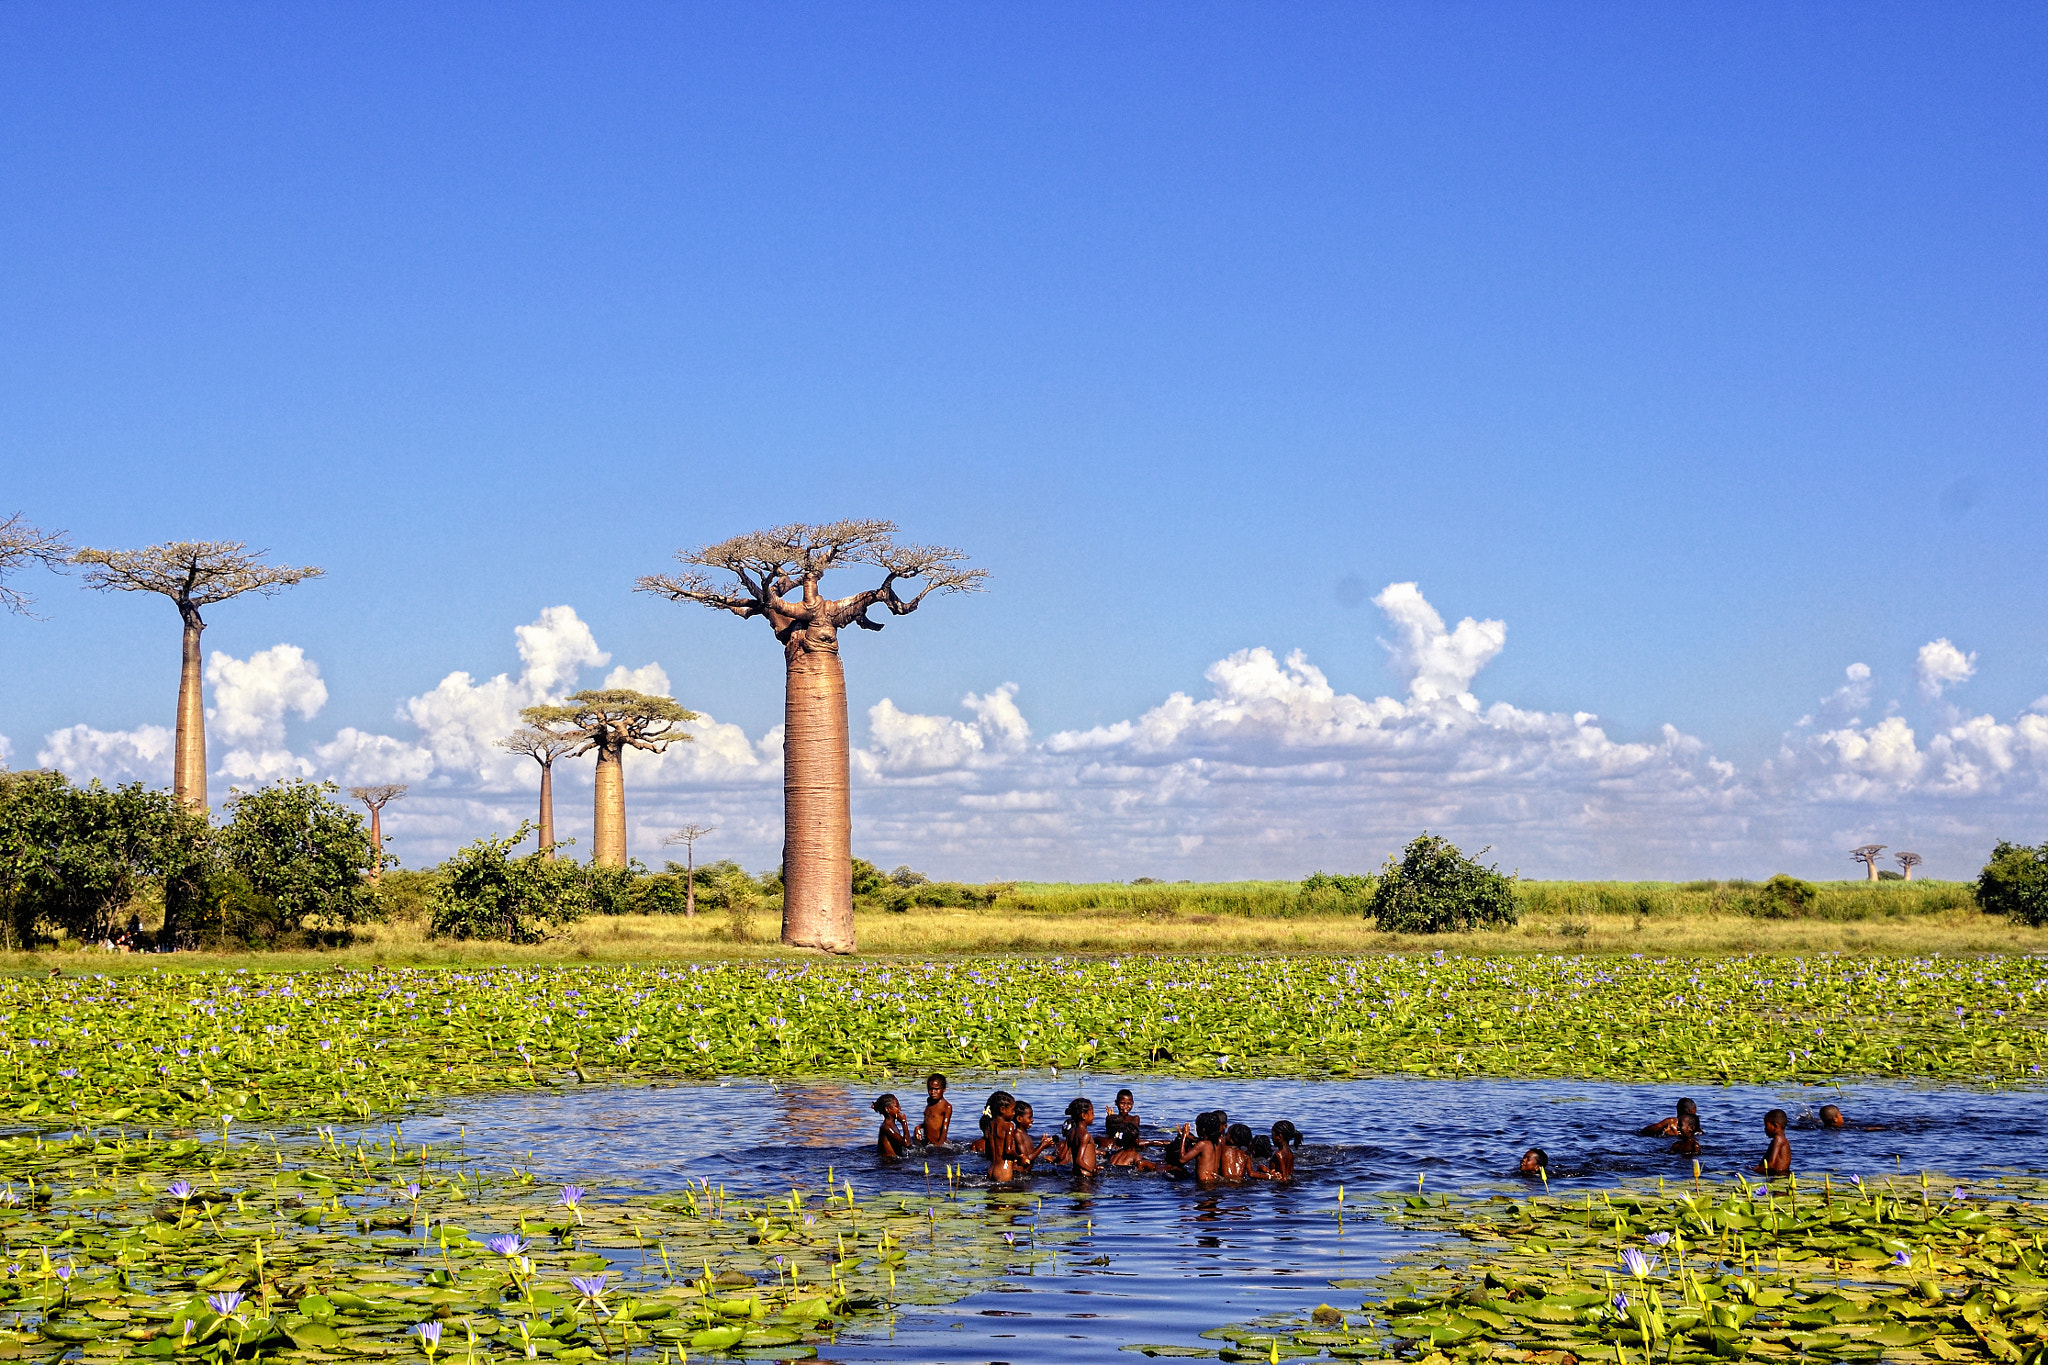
[82,753]
[1436,663]
[1941,665]
[357,758]
[6,750]
[251,699]
[461,719]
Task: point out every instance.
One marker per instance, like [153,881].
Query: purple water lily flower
[1658,1239]
[1959,1194]
[1902,1258]
[572,1195]
[180,1190]
[412,1192]
[1638,1264]
[506,1244]
[64,1273]
[1619,1303]
[430,1335]
[591,1287]
[224,1303]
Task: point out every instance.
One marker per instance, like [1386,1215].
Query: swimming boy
[1670,1127]
[1688,1143]
[1234,1162]
[1124,1153]
[938,1112]
[1286,1139]
[999,1137]
[893,1141]
[1778,1159]
[1535,1161]
[1831,1117]
[1204,1154]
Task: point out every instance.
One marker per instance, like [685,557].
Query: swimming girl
[999,1137]
[987,1120]
[1124,1152]
[1234,1162]
[893,1141]
[1076,1146]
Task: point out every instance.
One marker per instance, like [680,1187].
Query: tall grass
[1840,902]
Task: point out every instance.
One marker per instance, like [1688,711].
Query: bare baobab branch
[611,721]
[778,574]
[21,544]
[193,574]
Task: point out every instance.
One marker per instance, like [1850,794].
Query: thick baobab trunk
[1909,872]
[1870,869]
[608,813]
[376,842]
[817,839]
[547,811]
[188,759]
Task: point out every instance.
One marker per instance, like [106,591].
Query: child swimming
[893,1141]
[1028,1148]
[1688,1143]
[1124,1153]
[1125,1115]
[1535,1161]
[1670,1127]
[1778,1158]
[1076,1146]
[1286,1139]
[1234,1162]
[999,1136]
[938,1112]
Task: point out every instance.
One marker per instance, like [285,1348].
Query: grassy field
[1709,918]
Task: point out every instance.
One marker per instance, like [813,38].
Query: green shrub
[1339,893]
[73,860]
[2015,883]
[906,875]
[485,893]
[303,861]
[1784,897]
[938,895]
[1433,887]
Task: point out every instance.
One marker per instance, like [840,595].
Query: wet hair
[1209,1125]
[1776,1116]
[938,1078]
[881,1106]
[1830,1115]
[1688,1124]
[1125,1094]
[1079,1111]
[995,1102]
[1262,1147]
[1123,1134]
[1542,1157]
[1079,1106]
[1285,1132]
[1239,1135]
[1023,1108]
[1688,1107]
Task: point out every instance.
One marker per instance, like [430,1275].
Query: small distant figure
[1028,1148]
[1672,1126]
[1831,1117]
[1124,1115]
[892,1142]
[1286,1142]
[998,1140]
[1535,1161]
[1124,1152]
[938,1113]
[1778,1159]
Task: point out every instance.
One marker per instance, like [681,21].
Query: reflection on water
[1164,1260]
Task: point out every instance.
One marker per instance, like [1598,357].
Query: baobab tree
[688,836]
[377,798]
[22,544]
[1907,862]
[766,567]
[611,721]
[543,747]
[1867,855]
[194,574]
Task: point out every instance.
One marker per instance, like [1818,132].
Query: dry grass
[1134,925]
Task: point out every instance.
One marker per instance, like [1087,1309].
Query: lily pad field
[212,1165]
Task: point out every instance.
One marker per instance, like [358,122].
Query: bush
[2015,883]
[1784,897]
[74,859]
[1335,893]
[906,875]
[901,899]
[1434,887]
[485,893]
[294,859]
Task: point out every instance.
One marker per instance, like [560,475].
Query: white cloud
[649,678]
[82,753]
[461,720]
[1941,665]
[251,698]
[356,758]
[1435,662]
[6,750]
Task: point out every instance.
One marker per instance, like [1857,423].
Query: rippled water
[1181,1259]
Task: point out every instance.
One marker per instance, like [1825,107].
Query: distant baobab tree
[194,574]
[543,747]
[1907,862]
[377,798]
[688,836]
[611,721]
[22,544]
[1867,855]
[766,567]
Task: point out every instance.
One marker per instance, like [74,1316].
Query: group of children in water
[1685,1126]
[1214,1149]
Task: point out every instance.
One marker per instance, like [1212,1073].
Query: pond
[1164,1261]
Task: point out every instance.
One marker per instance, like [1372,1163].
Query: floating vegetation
[210,1252]
[1904,1271]
[210,1047]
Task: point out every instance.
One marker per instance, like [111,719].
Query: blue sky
[1700,346]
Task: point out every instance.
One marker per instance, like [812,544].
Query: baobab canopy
[610,721]
[765,568]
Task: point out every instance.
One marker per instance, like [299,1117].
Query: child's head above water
[885,1105]
[1286,1134]
[1686,1107]
[935,1085]
[1774,1122]
[1209,1125]
[1831,1116]
[1239,1135]
[1125,1101]
[1534,1160]
[1262,1148]
[1022,1114]
[1080,1111]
